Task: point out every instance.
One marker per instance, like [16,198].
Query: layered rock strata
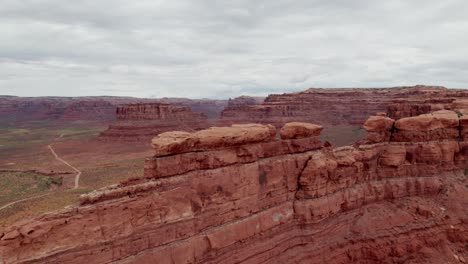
[351,106]
[243,194]
[245,101]
[144,121]
[91,109]
[18,109]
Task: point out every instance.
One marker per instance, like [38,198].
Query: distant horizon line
[224,98]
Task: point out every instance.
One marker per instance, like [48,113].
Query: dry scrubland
[25,160]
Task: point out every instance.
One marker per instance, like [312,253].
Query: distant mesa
[134,119]
[343,106]
[146,120]
[97,109]
[245,101]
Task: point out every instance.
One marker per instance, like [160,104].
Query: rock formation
[144,121]
[92,109]
[332,107]
[245,101]
[210,108]
[243,194]
[17,109]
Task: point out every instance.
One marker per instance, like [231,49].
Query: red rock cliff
[351,106]
[143,121]
[242,194]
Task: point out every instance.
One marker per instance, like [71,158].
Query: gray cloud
[225,48]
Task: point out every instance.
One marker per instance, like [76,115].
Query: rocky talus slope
[348,106]
[248,194]
[146,120]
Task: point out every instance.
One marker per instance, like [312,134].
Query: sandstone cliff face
[242,194]
[144,121]
[331,107]
[210,108]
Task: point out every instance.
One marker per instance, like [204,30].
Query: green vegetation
[11,137]
[99,176]
[19,185]
[25,148]
[53,202]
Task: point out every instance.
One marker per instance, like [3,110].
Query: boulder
[378,124]
[300,130]
[213,138]
[428,122]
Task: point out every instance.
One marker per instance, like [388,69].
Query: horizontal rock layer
[331,107]
[144,121]
[92,109]
[266,201]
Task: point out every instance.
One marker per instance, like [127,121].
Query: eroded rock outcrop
[144,121]
[244,195]
[351,106]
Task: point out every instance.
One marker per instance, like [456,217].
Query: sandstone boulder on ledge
[213,138]
[378,124]
[296,130]
[436,120]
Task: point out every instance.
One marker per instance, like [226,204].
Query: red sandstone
[331,107]
[256,198]
[144,121]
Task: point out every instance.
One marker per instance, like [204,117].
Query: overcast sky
[219,49]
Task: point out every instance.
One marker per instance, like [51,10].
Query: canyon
[336,109]
[254,193]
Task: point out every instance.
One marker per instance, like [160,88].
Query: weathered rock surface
[437,120]
[378,129]
[332,107]
[442,124]
[170,143]
[144,121]
[261,199]
[378,124]
[295,130]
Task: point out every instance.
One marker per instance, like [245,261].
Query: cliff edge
[253,194]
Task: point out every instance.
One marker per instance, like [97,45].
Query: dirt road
[78,172]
